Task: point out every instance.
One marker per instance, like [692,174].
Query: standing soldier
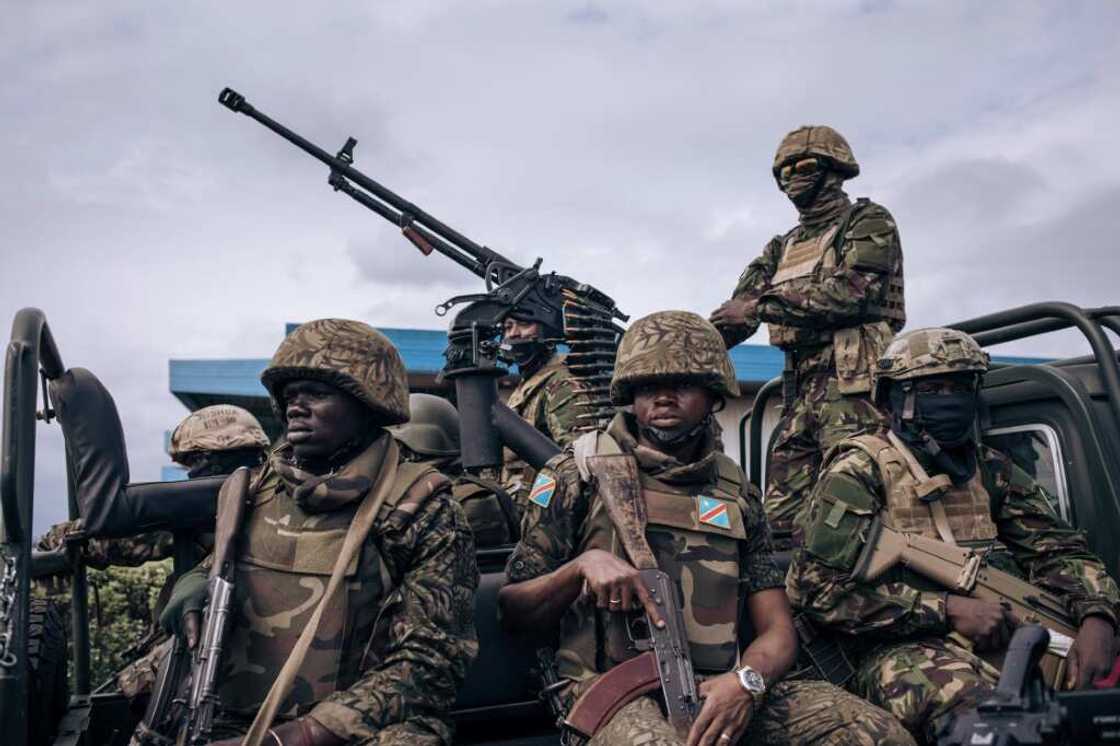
[548,396]
[703,527]
[377,655]
[831,291]
[431,436]
[211,441]
[926,474]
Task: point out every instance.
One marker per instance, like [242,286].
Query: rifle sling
[611,692]
[927,489]
[355,536]
[619,487]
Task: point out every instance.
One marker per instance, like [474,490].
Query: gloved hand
[188,596]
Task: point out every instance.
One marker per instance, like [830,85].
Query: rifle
[203,701]
[585,314]
[965,571]
[665,659]
[1023,711]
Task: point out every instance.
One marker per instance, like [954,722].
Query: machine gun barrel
[422,229]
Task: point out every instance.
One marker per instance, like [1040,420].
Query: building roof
[237,381]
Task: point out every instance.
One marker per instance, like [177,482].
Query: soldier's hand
[988,624]
[616,585]
[188,595]
[1092,653]
[724,716]
[735,312]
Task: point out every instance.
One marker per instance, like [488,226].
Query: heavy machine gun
[1024,711]
[584,315]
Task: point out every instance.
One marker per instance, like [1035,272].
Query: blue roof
[422,352]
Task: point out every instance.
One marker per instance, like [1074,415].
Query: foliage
[122,609]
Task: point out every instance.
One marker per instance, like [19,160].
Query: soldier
[431,435]
[706,529]
[386,659]
[211,441]
[831,291]
[914,641]
[548,396]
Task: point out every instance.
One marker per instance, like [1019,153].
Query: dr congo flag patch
[542,491]
[713,512]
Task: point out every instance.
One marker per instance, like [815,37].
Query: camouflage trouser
[795,712]
[920,681]
[398,734]
[820,418]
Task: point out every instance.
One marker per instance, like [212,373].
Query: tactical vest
[285,559]
[517,475]
[696,537]
[959,514]
[857,346]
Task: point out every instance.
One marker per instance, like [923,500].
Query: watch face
[752,680]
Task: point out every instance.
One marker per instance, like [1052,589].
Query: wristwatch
[752,681]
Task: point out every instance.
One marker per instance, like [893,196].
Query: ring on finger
[725,736]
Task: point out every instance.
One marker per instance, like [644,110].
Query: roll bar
[31,352]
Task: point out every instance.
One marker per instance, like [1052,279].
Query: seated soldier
[211,441]
[431,436]
[706,530]
[915,643]
[388,653]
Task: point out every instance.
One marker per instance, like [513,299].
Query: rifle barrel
[455,245]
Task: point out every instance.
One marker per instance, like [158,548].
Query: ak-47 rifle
[585,314]
[203,701]
[664,661]
[963,570]
[165,722]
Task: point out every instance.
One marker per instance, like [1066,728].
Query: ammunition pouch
[824,653]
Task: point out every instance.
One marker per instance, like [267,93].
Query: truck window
[1035,449]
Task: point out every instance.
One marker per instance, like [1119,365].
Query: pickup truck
[1060,420]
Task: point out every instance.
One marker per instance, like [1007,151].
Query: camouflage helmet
[351,355]
[675,345]
[927,352]
[221,427]
[820,141]
[433,429]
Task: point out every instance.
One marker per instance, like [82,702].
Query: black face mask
[528,354]
[950,419]
[943,428]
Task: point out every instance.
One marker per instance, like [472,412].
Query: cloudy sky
[627,143]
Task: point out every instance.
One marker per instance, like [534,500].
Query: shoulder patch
[713,512]
[543,489]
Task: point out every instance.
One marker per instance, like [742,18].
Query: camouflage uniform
[707,531]
[432,436]
[831,290]
[549,400]
[392,649]
[909,661]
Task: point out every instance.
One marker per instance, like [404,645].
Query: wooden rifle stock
[963,571]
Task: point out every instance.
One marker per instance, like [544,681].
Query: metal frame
[31,353]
